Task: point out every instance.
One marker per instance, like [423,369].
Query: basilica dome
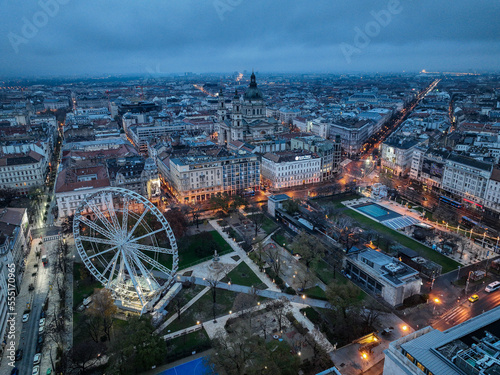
[253,93]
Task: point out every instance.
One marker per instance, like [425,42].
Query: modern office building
[469,348]
[382,275]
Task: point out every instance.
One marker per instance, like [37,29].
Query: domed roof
[253,93]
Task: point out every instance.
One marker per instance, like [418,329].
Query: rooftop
[473,344]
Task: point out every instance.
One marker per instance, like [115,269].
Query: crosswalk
[453,317]
[51,238]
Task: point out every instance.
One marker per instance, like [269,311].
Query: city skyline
[59,37]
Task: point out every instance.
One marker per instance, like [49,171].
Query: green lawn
[184,346]
[242,274]
[315,292]
[195,249]
[84,288]
[269,225]
[201,310]
[281,239]
[336,200]
[325,273]
[184,296]
[201,246]
[447,263]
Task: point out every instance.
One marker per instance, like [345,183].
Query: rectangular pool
[376,211]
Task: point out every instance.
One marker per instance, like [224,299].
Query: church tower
[237,119]
[221,108]
[253,108]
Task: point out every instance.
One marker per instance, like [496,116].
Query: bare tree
[274,258]
[278,309]
[103,307]
[304,278]
[85,355]
[213,281]
[257,218]
[244,301]
[92,325]
[309,247]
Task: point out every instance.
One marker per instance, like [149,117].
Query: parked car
[36,370]
[26,317]
[37,358]
[19,354]
[41,329]
[15,371]
[42,322]
[40,339]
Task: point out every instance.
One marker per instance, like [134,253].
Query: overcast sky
[66,37]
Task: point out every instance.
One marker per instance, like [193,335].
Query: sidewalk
[319,337]
[243,255]
[273,294]
[183,309]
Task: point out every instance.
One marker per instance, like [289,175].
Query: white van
[492,287]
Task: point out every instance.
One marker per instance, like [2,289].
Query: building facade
[397,155]
[74,183]
[22,172]
[329,152]
[383,275]
[247,119]
[197,178]
[472,347]
[290,168]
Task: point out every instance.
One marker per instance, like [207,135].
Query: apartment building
[74,183]
[397,155]
[466,177]
[21,172]
[329,152]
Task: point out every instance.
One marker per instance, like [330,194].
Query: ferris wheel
[127,244]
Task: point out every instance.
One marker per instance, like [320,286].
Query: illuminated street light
[404,328]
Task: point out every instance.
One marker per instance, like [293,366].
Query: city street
[448,304]
[27,333]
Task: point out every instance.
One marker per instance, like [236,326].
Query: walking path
[183,309]
[318,336]
[273,294]
[264,278]
[212,327]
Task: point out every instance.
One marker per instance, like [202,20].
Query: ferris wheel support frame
[125,245]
